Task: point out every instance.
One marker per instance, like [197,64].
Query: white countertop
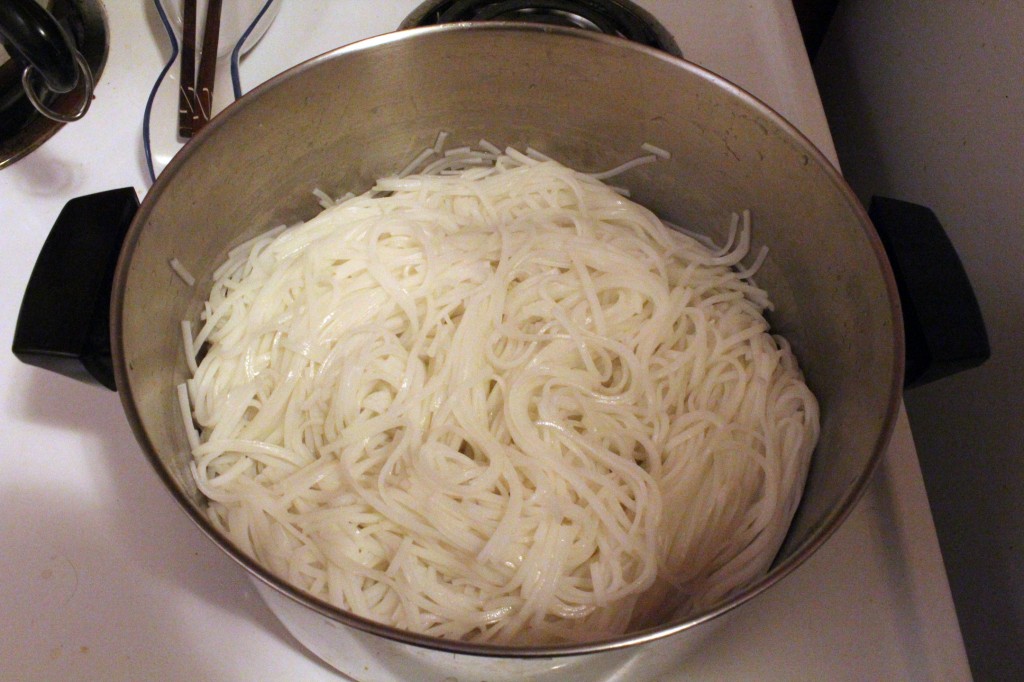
[103,577]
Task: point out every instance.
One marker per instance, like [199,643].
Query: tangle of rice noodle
[498,402]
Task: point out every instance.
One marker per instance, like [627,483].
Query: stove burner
[612,17]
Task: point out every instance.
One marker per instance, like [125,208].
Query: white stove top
[103,577]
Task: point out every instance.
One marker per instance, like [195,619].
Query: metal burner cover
[612,17]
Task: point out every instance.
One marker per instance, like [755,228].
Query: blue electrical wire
[156,86]
[236,81]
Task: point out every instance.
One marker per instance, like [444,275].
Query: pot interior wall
[344,119]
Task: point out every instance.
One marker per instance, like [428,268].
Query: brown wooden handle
[187,90]
[207,66]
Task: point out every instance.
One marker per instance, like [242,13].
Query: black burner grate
[612,17]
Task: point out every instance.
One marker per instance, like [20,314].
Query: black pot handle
[64,322]
[942,322]
[31,34]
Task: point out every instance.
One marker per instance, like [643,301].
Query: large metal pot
[363,111]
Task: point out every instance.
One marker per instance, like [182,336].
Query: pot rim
[630,639]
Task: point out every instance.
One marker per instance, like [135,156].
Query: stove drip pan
[612,17]
[22,128]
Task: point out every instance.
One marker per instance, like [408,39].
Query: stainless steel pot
[341,120]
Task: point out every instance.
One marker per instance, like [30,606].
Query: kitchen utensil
[207,66]
[187,69]
[242,24]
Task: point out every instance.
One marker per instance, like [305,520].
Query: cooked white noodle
[182,272]
[506,405]
[657,151]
